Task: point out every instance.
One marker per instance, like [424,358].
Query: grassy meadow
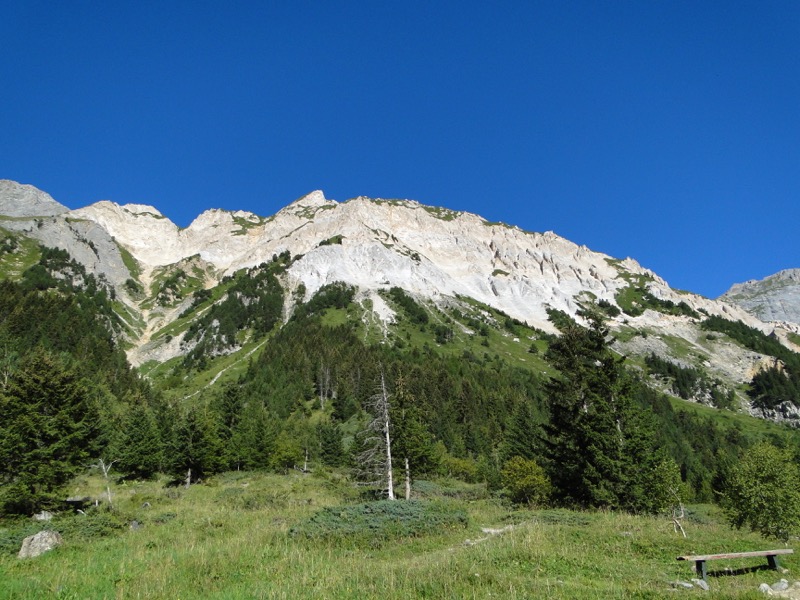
[251,535]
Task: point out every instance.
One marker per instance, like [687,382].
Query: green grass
[130,262]
[752,426]
[231,538]
[25,255]
[177,384]
[246,225]
[794,338]
[444,214]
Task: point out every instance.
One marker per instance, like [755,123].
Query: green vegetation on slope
[770,387]
[232,538]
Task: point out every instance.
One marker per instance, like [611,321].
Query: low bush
[381,520]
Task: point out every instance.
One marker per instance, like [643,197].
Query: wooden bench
[772,558]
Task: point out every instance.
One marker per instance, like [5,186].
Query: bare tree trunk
[386,425]
[408,481]
[324,384]
[105,468]
[188,478]
[677,514]
[375,462]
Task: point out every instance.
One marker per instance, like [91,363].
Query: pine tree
[48,428]
[138,450]
[197,447]
[599,449]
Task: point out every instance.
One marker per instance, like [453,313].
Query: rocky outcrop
[37,544]
[428,251]
[774,298]
[86,241]
[20,200]
[433,253]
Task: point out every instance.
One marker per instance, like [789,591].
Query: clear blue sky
[663,130]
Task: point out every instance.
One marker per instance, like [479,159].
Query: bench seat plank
[738,555]
[772,560]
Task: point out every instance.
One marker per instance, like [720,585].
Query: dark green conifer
[599,449]
[48,429]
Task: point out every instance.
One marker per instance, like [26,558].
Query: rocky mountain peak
[142,209]
[306,206]
[22,200]
[774,298]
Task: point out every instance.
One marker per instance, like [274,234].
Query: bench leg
[773,562]
[700,568]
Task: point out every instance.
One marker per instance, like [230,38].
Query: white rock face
[434,253]
[775,298]
[19,200]
[382,243]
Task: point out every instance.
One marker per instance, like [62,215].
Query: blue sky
[663,130]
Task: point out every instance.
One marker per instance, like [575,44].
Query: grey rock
[780,585]
[702,584]
[35,545]
[774,298]
[683,585]
[43,516]
[765,589]
[19,200]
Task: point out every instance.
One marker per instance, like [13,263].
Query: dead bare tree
[324,384]
[678,513]
[408,480]
[105,468]
[375,460]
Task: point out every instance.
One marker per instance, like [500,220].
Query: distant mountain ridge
[452,262]
[21,200]
[774,298]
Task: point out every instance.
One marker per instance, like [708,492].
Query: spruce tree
[197,447]
[252,443]
[48,429]
[138,450]
[411,440]
[331,449]
[522,434]
[598,445]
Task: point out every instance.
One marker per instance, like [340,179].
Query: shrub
[382,520]
[763,492]
[525,481]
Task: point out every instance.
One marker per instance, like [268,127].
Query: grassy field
[246,535]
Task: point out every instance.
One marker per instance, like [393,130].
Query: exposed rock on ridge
[428,251]
[774,298]
[435,254]
[20,200]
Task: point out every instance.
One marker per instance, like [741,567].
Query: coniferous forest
[598,434]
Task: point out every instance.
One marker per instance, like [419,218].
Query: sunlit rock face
[774,298]
[437,255]
[20,200]
[374,244]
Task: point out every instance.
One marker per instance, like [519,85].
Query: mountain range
[463,270]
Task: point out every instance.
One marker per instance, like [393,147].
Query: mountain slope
[374,244]
[774,298]
[19,200]
[184,289]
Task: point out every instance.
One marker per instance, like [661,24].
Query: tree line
[593,435]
